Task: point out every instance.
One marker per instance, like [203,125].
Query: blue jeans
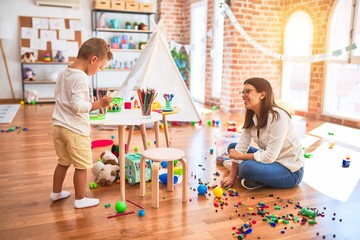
[273,175]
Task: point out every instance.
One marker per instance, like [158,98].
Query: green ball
[120,206]
[214,108]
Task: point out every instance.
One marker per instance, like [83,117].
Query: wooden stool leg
[170,176]
[185,179]
[142,177]
[155,185]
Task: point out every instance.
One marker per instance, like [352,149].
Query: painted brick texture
[264,21]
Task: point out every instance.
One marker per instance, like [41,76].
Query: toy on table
[115,105]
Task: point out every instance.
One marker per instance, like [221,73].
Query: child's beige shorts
[72,148]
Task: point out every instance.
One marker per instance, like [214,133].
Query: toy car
[132,168]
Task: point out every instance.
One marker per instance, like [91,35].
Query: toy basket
[222,141]
[115,105]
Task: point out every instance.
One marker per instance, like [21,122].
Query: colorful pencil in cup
[146,98]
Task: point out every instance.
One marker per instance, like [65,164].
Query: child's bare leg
[58,180]
[80,178]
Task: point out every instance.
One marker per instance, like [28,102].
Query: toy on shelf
[127,25]
[29,75]
[28,57]
[136,25]
[59,57]
[114,23]
[47,57]
[143,27]
[231,126]
[115,43]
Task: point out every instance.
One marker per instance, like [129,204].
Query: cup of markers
[168,100]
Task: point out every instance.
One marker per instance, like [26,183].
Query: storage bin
[101,4]
[115,105]
[222,141]
[145,7]
[117,4]
[132,6]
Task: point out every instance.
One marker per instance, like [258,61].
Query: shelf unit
[113,75]
[45,81]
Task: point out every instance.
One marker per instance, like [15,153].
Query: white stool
[159,155]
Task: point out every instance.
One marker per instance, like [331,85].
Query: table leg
[166,130]
[142,176]
[131,131]
[156,126]
[121,133]
[143,136]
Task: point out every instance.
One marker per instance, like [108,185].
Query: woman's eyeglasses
[246,92]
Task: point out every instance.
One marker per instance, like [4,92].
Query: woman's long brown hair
[267,104]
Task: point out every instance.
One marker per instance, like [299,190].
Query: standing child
[71,121]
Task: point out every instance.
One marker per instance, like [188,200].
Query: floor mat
[338,133]
[8,112]
[324,171]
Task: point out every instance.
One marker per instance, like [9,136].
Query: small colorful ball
[120,206]
[141,213]
[202,189]
[93,185]
[218,192]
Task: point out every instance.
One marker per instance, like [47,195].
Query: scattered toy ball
[141,213]
[120,206]
[218,192]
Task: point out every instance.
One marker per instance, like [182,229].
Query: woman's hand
[227,181]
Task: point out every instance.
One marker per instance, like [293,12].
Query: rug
[324,171]
[338,133]
[8,112]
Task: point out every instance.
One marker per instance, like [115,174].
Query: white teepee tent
[156,69]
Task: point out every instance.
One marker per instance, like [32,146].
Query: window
[342,86]
[296,75]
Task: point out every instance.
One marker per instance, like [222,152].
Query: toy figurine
[59,57]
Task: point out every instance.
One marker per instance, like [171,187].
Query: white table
[130,118]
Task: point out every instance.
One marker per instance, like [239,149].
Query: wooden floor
[28,160]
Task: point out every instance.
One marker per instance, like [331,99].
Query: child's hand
[105,101]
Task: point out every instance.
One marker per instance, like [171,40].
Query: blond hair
[95,47]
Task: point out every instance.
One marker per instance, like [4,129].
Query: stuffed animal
[59,57]
[108,157]
[28,57]
[29,75]
[105,174]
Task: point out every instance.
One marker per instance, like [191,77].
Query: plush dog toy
[28,57]
[108,157]
[105,174]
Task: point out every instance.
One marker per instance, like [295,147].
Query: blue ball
[202,189]
[141,212]
[163,178]
[164,164]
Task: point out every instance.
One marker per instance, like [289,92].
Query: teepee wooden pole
[7,69]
